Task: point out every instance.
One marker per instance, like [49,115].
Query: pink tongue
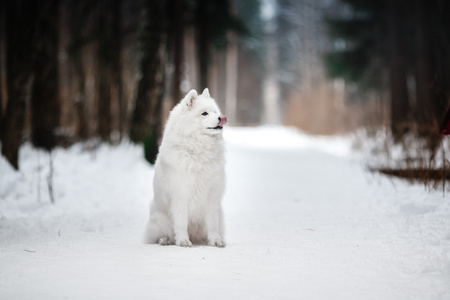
[223,121]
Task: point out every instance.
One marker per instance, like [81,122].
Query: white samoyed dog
[189,179]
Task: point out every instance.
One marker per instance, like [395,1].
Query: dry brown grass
[431,178]
[419,157]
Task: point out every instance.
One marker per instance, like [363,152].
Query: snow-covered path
[304,221]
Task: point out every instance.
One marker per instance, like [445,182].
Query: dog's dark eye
[204,113]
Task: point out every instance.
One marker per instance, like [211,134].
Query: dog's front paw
[164,241]
[218,242]
[184,243]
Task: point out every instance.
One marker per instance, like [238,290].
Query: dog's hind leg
[159,228]
[164,241]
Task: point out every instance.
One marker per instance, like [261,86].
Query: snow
[305,219]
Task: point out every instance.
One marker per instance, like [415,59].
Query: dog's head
[203,112]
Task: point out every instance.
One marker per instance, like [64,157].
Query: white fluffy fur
[189,177]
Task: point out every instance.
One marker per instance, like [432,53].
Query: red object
[445,129]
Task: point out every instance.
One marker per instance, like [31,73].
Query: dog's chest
[204,160]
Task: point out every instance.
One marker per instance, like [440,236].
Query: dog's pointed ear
[190,98]
[206,92]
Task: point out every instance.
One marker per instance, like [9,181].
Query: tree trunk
[178,48]
[400,108]
[45,102]
[231,79]
[203,39]
[109,67]
[116,56]
[104,69]
[80,99]
[20,28]
[2,59]
[429,118]
[78,15]
[424,67]
[441,47]
[146,119]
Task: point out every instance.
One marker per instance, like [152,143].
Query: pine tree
[360,39]
[146,120]
[45,101]
[79,10]
[20,49]
[109,80]
[214,19]
[407,40]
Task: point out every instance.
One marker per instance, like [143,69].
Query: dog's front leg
[214,225]
[180,222]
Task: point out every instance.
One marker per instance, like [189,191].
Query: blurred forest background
[73,70]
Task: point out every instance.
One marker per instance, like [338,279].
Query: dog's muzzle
[222,121]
